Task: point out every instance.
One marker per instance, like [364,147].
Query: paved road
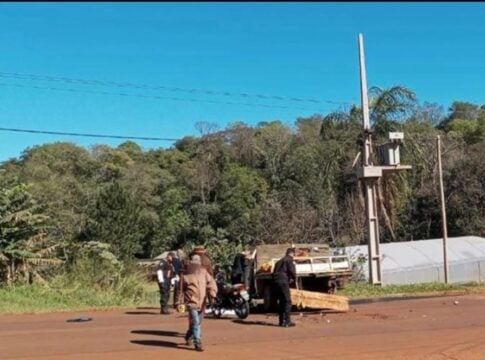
[432,329]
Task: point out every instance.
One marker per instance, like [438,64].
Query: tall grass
[59,296]
[95,280]
[362,290]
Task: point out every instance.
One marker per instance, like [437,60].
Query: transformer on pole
[370,174]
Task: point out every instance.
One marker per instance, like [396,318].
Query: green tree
[390,106]
[22,233]
[116,219]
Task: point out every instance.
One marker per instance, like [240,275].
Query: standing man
[177,268]
[241,267]
[165,274]
[284,273]
[197,285]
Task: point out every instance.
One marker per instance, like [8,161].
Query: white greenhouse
[421,261]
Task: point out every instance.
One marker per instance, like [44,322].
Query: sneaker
[289,324]
[189,342]
[198,347]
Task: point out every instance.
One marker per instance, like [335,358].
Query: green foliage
[269,183]
[61,295]
[118,220]
[357,290]
[22,226]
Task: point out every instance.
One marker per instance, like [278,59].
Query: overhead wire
[158,97]
[88,135]
[78,81]
[36,77]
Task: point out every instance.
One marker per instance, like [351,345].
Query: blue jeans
[194,333]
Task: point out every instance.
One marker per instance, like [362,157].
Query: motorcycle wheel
[242,311]
[217,312]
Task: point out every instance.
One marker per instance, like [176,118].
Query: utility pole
[371,174]
[443,210]
[370,182]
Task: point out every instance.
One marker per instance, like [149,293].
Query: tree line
[266,183]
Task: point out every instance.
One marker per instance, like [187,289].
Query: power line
[88,135]
[167,88]
[47,132]
[85,91]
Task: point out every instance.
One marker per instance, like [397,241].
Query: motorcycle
[230,297]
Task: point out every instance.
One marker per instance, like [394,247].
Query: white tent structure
[421,261]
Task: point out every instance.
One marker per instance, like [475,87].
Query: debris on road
[82,318]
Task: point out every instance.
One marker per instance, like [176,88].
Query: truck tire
[269,304]
[332,286]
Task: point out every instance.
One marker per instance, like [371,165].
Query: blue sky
[304,50]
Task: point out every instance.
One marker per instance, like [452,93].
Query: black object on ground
[80,319]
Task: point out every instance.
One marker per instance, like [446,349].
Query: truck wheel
[269,304]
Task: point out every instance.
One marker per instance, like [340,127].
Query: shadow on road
[245,322]
[210,317]
[160,343]
[141,313]
[147,308]
[158,333]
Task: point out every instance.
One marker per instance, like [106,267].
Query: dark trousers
[282,292]
[164,295]
[237,279]
[176,294]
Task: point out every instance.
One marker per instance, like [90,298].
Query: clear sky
[301,50]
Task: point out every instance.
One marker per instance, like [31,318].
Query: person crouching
[197,285]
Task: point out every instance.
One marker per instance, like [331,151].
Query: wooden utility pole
[371,174]
[443,210]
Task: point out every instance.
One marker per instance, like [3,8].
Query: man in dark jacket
[177,268]
[241,267]
[165,274]
[284,273]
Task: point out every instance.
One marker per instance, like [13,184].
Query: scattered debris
[456,302]
[82,318]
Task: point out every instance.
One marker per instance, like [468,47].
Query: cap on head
[199,250]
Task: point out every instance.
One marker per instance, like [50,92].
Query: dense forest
[244,184]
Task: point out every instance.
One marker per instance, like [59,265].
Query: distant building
[421,261]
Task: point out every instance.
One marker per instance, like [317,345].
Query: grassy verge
[365,291]
[21,299]
[25,299]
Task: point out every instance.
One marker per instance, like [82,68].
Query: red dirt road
[431,329]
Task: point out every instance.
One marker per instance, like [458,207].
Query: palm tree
[389,106]
[23,246]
